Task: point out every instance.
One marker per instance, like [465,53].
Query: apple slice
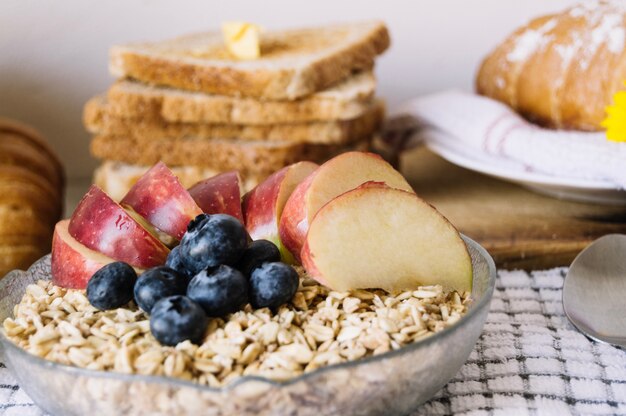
[379,237]
[220,194]
[263,205]
[103,225]
[338,175]
[159,197]
[73,264]
[166,239]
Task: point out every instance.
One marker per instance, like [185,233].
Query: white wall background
[53,54]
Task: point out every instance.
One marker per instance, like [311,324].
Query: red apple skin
[259,205]
[309,264]
[220,194]
[263,206]
[159,197]
[293,224]
[72,263]
[102,225]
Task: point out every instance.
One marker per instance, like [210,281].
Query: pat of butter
[242,39]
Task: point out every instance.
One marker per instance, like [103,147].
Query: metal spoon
[594,291]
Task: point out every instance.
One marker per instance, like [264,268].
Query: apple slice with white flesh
[220,194]
[378,237]
[103,225]
[159,197]
[336,176]
[73,264]
[263,205]
[166,239]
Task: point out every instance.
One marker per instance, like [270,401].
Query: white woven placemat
[528,361]
[531,361]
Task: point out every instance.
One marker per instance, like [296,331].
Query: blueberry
[174,261]
[272,285]
[218,239]
[158,283]
[257,253]
[197,221]
[112,286]
[176,319]
[219,292]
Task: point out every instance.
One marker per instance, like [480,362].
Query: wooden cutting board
[520,229]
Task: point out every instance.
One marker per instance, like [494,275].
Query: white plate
[563,188]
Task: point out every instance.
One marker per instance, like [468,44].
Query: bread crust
[320,71]
[561,70]
[257,158]
[98,120]
[132,100]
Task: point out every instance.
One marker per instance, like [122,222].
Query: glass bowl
[393,383]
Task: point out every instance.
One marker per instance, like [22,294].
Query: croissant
[561,70]
[31,195]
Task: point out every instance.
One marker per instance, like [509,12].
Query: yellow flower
[615,121]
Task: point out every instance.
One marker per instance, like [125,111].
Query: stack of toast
[192,104]
[31,195]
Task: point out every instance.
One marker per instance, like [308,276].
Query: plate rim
[534,178]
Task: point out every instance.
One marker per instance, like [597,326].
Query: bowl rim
[474,309]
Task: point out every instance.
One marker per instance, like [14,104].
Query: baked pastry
[561,70]
[31,195]
[25,146]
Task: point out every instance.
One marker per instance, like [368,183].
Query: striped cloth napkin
[528,361]
[489,131]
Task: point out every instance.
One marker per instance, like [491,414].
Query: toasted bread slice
[98,120]
[248,157]
[116,178]
[347,100]
[293,63]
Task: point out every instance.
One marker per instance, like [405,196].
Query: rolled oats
[318,327]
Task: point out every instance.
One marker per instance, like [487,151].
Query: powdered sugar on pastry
[605,24]
[530,41]
[584,8]
[610,32]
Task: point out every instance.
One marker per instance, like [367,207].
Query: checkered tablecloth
[528,361]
